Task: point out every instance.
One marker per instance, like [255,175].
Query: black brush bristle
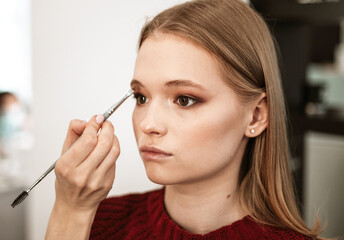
[19,199]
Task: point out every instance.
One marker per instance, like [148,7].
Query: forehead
[169,57]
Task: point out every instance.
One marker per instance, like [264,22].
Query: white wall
[15,54]
[83,60]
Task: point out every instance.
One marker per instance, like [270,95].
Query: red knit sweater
[143,217]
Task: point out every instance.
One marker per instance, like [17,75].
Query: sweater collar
[166,228]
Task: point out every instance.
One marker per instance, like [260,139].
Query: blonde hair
[242,44]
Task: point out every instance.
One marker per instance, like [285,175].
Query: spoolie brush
[24,194]
[106,115]
[20,198]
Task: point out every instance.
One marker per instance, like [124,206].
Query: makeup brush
[106,115]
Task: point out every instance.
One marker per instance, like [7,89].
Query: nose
[154,120]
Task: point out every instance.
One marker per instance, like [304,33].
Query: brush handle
[43,176]
[113,108]
[48,170]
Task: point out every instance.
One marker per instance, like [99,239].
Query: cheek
[212,136]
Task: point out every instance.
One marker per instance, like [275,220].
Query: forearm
[68,224]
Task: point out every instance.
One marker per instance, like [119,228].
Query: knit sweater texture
[143,217]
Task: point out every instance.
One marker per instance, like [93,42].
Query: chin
[163,176]
[160,176]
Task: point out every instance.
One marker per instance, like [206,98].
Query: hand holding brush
[103,117]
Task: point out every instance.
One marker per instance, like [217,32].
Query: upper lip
[146,148]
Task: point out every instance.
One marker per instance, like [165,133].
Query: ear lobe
[259,117]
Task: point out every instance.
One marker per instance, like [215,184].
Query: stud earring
[252,131]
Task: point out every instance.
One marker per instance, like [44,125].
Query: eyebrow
[135,84]
[174,83]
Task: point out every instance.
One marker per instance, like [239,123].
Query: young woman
[210,126]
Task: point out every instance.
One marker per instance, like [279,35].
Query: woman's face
[189,125]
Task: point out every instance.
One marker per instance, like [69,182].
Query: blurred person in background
[15,137]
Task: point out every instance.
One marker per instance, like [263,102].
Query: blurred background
[62,59]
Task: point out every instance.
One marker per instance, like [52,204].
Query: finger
[85,144]
[93,125]
[104,181]
[75,129]
[101,184]
[104,145]
[110,177]
[103,177]
[110,159]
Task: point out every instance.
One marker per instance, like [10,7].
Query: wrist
[70,223]
[75,216]
[77,211]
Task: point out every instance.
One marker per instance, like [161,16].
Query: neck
[204,207]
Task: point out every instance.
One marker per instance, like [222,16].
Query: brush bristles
[19,199]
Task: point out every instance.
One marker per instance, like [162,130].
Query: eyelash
[195,100]
[137,96]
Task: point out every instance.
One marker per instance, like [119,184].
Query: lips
[153,153]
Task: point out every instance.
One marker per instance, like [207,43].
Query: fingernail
[99,118]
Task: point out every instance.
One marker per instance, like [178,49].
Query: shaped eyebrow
[135,84]
[183,83]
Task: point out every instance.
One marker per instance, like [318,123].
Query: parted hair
[239,39]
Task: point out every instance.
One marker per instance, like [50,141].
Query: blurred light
[317,1]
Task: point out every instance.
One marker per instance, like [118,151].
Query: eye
[186,101]
[140,99]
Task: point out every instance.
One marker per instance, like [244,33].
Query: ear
[259,117]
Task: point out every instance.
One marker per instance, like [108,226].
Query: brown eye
[140,99]
[185,101]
